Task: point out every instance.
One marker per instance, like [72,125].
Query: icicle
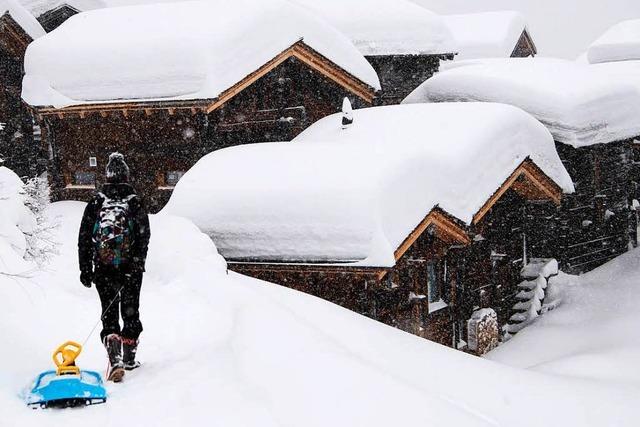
[347,113]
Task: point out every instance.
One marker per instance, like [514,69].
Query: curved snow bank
[232,351]
[619,43]
[577,104]
[386,27]
[127,53]
[15,220]
[346,195]
[486,35]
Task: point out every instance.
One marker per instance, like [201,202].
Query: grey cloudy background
[562,28]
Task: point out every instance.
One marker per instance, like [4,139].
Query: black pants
[108,281]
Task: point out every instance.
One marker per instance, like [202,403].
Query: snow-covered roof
[575,102]
[619,43]
[22,17]
[486,35]
[354,195]
[174,51]
[38,7]
[386,27]
[620,71]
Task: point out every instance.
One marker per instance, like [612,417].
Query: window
[85,179]
[433,284]
[93,162]
[171,178]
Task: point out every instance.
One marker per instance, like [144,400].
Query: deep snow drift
[594,334]
[227,350]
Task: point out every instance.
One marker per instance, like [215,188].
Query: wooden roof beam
[446,228]
[312,59]
[534,177]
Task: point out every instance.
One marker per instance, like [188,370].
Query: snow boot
[129,348]
[113,344]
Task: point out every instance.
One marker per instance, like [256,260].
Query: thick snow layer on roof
[282,201]
[22,17]
[174,51]
[620,71]
[386,27]
[621,42]
[574,101]
[355,194]
[486,35]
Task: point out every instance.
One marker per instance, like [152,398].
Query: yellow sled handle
[65,357]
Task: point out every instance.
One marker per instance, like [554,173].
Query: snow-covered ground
[594,334]
[226,350]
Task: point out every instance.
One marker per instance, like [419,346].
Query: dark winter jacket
[141,232]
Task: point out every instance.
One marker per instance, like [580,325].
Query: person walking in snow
[112,250]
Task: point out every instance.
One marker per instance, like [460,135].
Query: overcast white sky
[562,28]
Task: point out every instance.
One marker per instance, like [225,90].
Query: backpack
[113,231]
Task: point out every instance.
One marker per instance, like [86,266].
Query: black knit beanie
[117,169]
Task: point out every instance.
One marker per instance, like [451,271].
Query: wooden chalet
[444,270]
[404,42]
[499,34]
[593,121]
[436,273]
[17,147]
[163,137]
[525,47]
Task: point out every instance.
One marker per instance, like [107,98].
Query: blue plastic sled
[51,390]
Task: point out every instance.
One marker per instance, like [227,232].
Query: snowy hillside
[227,350]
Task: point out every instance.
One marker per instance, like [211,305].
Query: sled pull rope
[102,316]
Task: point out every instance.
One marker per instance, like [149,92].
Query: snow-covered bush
[40,244]
[24,230]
